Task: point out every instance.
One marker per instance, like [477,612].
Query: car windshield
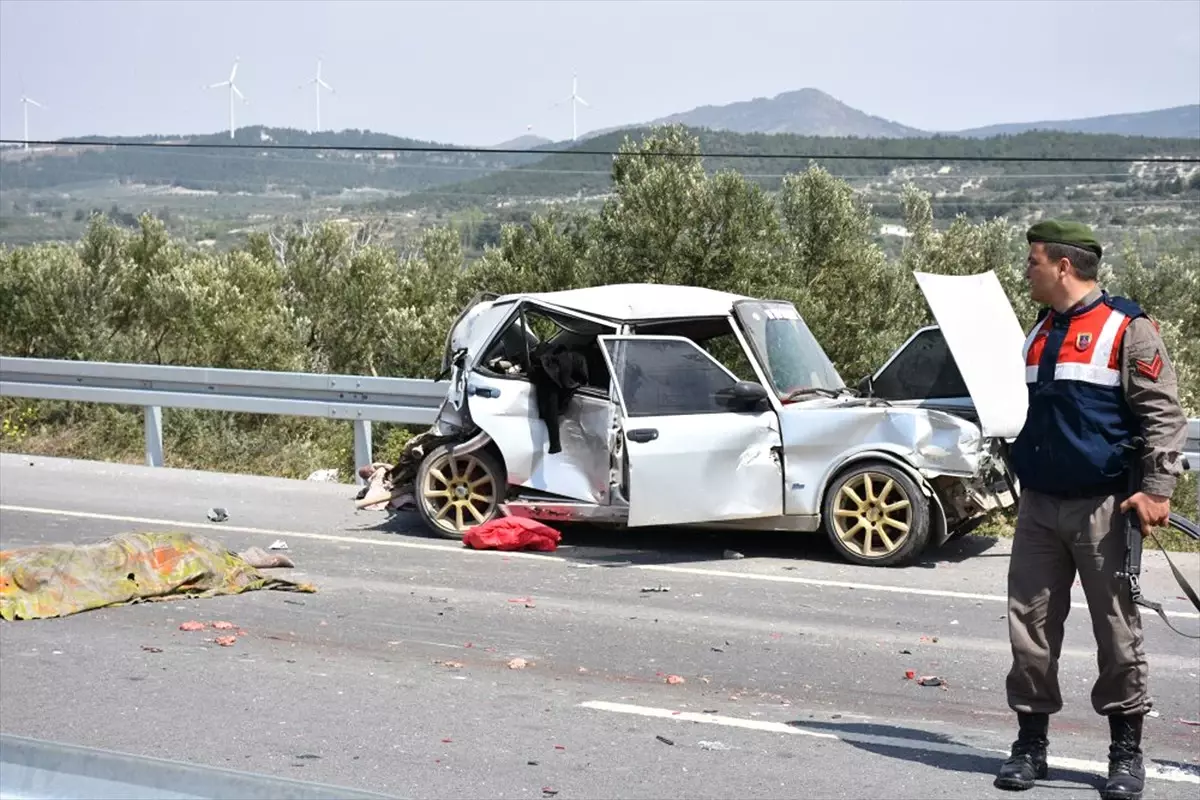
[791,356]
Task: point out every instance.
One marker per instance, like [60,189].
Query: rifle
[1133,545]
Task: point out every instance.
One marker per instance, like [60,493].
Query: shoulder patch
[1151,369]
[1126,306]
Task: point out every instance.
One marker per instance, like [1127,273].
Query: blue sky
[481,72]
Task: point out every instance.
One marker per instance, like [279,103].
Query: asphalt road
[394,676]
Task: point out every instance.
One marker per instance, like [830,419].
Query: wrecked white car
[654,405]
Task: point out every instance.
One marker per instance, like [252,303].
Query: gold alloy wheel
[459,492]
[872,509]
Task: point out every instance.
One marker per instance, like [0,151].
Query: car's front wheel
[457,491]
[876,515]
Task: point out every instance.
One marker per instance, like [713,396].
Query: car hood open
[985,337]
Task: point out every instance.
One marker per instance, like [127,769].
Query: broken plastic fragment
[517,663]
[218,514]
[713,746]
[931,680]
[674,679]
[226,641]
[665,740]
[192,626]
[223,626]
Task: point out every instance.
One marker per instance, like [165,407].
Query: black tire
[471,468]
[867,523]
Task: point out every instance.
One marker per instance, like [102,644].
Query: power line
[612,153]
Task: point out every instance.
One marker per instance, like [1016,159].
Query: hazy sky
[480,72]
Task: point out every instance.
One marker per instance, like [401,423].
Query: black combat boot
[1028,760]
[1126,773]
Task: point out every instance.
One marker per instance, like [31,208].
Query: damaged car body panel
[525,419]
[695,450]
[655,404]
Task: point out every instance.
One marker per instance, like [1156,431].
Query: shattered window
[666,376]
[510,353]
[923,370]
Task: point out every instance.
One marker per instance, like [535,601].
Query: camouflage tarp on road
[62,579]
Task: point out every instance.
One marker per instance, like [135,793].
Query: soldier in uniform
[1098,376]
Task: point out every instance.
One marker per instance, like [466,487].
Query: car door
[505,406]
[689,459]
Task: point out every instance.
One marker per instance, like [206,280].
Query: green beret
[1076,234]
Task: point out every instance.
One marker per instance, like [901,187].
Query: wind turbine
[573,99]
[26,102]
[317,83]
[232,91]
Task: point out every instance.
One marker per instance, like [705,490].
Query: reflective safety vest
[1078,420]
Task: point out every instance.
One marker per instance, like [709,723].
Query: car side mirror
[743,396]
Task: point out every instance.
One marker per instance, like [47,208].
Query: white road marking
[458,549]
[710,719]
[1172,774]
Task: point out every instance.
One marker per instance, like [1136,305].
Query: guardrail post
[362,447]
[154,447]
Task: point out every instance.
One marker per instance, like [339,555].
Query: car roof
[630,302]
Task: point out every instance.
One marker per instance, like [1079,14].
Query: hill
[252,170]
[1180,121]
[806,112]
[526,142]
[811,112]
[568,174]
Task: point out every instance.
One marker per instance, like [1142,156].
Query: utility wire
[613,153]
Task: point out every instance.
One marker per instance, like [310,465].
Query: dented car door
[503,402]
[689,457]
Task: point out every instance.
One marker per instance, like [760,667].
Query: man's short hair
[1085,262]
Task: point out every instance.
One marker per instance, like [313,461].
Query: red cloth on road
[512,533]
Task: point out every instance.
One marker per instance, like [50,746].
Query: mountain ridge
[813,112]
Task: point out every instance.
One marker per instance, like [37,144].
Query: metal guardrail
[354,398]
[31,769]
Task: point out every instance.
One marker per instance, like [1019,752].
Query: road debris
[150,649]
[517,663]
[931,680]
[713,746]
[906,652]
[659,588]
[909,674]
[675,679]
[665,740]
[548,792]
[733,554]
[192,625]
[1193,722]
[450,664]
[221,625]
[1154,714]
[218,514]
[525,600]
[226,641]
[278,544]
[324,476]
